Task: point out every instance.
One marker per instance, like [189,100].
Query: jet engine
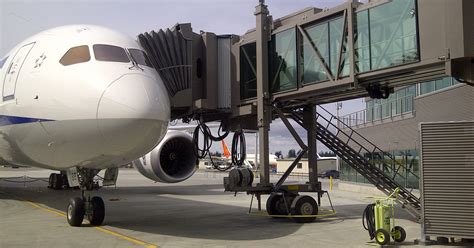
[172,161]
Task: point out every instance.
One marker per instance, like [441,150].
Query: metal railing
[376,156]
[393,108]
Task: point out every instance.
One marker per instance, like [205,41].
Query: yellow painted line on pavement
[101,229]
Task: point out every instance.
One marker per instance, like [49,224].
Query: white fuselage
[97,113]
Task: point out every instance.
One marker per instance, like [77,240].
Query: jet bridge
[285,67]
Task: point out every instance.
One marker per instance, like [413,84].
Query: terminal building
[393,123]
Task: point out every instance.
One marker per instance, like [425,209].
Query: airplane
[80,99]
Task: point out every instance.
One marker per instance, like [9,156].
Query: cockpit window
[110,53]
[75,55]
[140,57]
[2,62]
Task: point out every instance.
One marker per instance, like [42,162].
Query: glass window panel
[335,34]
[427,87]
[75,55]
[369,114]
[377,112]
[362,42]
[282,61]
[411,91]
[2,62]
[110,53]
[313,70]
[442,83]
[393,34]
[386,109]
[248,66]
[140,57]
[455,81]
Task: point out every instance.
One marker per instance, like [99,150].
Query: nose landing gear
[79,207]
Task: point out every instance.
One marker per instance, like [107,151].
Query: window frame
[147,59]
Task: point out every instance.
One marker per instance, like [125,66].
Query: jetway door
[13,71]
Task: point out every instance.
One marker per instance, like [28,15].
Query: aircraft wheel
[97,212]
[75,211]
[50,180]
[58,181]
[304,205]
[54,178]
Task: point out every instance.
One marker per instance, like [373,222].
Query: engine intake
[172,161]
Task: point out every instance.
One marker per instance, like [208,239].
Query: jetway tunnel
[316,56]
[285,67]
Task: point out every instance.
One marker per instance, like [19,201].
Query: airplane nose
[134,96]
[133,115]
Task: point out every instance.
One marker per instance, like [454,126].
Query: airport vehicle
[80,99]
[329,173]
[379,220]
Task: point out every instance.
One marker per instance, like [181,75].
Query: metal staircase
[378,167]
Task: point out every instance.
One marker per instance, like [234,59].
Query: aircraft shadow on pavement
[164,211]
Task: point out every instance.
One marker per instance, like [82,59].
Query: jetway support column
[309,121]
[264,109]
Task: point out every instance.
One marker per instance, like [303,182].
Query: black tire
[382,237]
[64,181]
[75,211]
[50,180]
[399,234]
[276,205]
[54,179]
[97,213]
[304,205]
[58,184]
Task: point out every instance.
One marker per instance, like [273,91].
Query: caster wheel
[399,234]
[75,211]
[97,212]
[382,237]
[304,205]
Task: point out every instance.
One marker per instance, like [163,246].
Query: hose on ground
[368,220]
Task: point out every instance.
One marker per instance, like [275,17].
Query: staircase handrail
[376,148]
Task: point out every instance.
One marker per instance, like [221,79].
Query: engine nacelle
[172,161]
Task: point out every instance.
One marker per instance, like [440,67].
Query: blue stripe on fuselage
[6,120]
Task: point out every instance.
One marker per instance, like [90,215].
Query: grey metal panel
[224,72]
[448,178]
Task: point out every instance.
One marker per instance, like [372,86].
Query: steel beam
[309,121]
[263,94]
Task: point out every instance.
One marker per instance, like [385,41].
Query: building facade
[393,124]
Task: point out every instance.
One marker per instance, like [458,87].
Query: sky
[20,19]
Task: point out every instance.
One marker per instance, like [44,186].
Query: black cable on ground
[238,155]
[368,220]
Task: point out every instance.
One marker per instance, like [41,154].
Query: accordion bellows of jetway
[315,56]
